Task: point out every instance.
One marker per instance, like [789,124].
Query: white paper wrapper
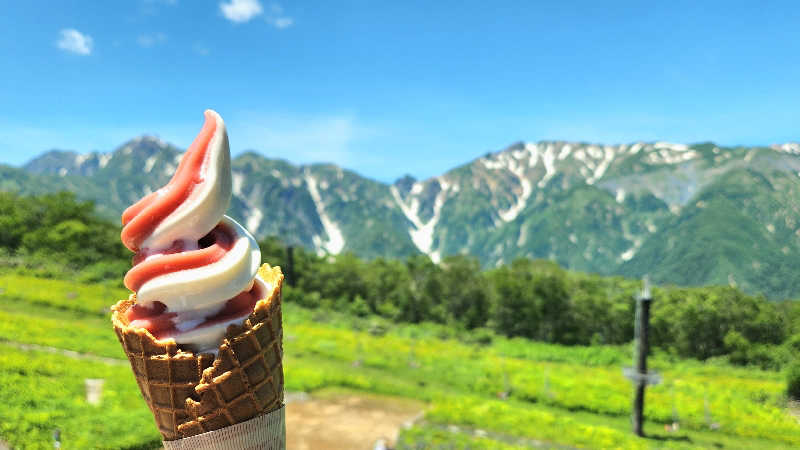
[265,432]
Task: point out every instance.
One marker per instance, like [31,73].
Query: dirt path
[330,419]
[344,421]
[794,409]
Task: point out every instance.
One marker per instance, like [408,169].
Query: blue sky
[388,88]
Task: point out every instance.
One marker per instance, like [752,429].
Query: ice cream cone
[190,393]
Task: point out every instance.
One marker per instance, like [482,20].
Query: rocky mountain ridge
[624,209]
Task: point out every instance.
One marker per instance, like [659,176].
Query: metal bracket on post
[649,378]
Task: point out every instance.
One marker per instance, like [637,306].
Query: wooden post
[642,327]
[290,266]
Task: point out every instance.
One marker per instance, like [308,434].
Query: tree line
[539,300]
[56,235]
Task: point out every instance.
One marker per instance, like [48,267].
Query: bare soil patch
[343,420]
[794,409]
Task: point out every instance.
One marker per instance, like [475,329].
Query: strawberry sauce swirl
[194,269]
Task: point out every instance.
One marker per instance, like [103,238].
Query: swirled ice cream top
[194,271]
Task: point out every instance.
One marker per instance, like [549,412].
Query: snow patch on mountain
[533,152]
[80,159]
[512,212]
[581,156]
[422,232]
[253,216]
[519,154]
[671,146]
[253,221]
[594,151]
[148,164]
[238,181]
[335,242]
[548,159]
[523,236]
[607,153]
[628,254]
[789,147]
[668,153]
[492,165]
[104,159]
[565,151]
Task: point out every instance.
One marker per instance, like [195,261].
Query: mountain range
[684,214]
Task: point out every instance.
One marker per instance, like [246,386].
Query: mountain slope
[318,206]
[741,229]
[694,214]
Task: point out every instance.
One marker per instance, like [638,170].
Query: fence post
[94,390]
[290,265]
[642,328]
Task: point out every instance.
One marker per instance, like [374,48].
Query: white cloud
[276,18]
[72,40]
[240,10]
[151,39]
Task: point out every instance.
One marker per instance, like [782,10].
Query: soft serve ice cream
[194,271]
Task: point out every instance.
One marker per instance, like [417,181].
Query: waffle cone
[191,393]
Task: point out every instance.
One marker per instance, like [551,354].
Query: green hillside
[562,396]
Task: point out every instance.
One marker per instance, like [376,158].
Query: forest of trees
[539,300]
[56,235]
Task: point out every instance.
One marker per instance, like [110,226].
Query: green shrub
[105,270]
[738,348]
[792,345]
[359,307]
[294,295]
[478,336]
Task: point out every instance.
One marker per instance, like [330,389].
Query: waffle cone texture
[191,393]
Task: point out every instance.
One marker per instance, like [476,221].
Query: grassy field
[555,396]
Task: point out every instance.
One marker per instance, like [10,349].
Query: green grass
[743,402]
[424,437]
[42,392]
[87,335]
[89,299]
[561,396]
